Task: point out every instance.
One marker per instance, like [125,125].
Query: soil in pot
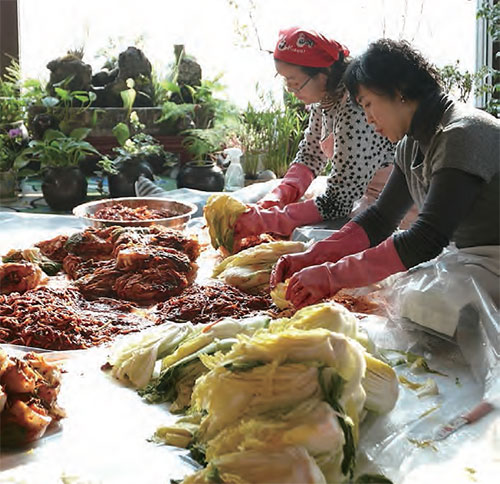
[64,188]
[129,170]
[201,175]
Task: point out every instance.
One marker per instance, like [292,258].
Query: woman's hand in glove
[312,284]
[349,240]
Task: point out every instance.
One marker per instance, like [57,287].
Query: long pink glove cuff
[276,220]
[294,185]
[284,221]
[351,239]
[365,268]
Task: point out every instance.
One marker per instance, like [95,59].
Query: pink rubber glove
[351,239]
[312,284]
[294,185]
[256,221]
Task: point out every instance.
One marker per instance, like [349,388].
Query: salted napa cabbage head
[226,396]
[221,213]
[381,385]
[133,357]
[290,465]
[317,346]
[269,370]
[312,424]
[223,329]
[250,269]
[328,315]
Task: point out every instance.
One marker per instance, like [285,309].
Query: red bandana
[307,48]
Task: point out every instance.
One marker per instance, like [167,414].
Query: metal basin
[182,212]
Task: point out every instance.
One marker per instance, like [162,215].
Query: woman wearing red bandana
[312,67]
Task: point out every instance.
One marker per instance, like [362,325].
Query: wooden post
[9,36]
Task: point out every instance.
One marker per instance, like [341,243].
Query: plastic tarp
[105,435]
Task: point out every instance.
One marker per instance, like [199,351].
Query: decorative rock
[189,74]
[70,66]
[132,64]
[104,77]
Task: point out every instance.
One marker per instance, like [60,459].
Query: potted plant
[11,144]
[136,156]
[205,145]
[253,139]
[12,103]
[63,111]
[64,185]
[271,136]
[202,173]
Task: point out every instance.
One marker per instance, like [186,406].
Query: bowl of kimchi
[135,212]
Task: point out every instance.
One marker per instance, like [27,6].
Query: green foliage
[275,131]
[491,82]
[202,144]
[491,13]
[66,105]
[11,144]
[12,104]
[217,120]
[463,84]
[134,144]
[57,149]
[128,96]
[456,82]
[122,133]
[172,112]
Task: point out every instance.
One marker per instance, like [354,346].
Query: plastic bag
[452,297]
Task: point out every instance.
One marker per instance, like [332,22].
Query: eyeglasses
[298,89]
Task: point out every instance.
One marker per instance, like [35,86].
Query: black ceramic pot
[157,163]
[64,188]
[201,175]
[129,171]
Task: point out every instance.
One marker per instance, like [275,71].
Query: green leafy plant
[133,141]
[490,85]
[12,104]
[134,144]
[274,132]
[491,13]
[57,150]
[11,144]
[128,96]
[464,83]
[217,121]
[172,113]
[67,105]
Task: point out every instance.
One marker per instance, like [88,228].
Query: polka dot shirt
[358,152]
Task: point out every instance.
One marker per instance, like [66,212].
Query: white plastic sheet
[104,437]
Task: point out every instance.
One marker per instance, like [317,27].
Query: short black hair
[389,66]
